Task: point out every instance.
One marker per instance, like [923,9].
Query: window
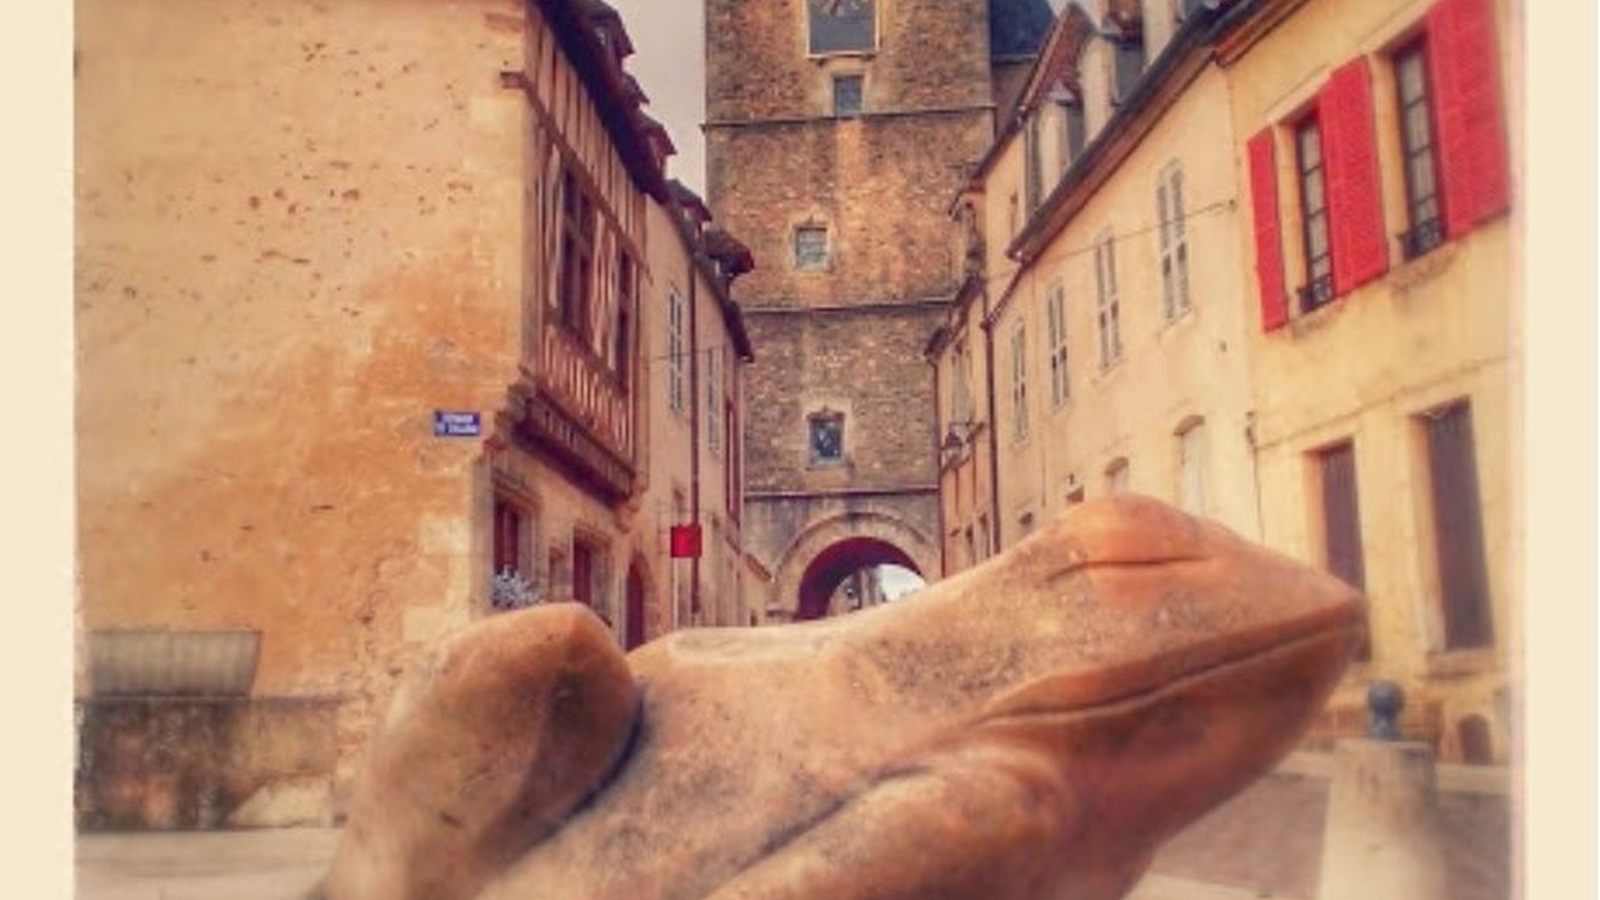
[841,26]
[1056,308]
[1417,151]
[577,254]
[1192,494]
[1074,130]
[1127,63]
[623,340]
[1318,288]
[1452,140]
[1174,244]
[1033,160]
[509,553]
[1107,314]
[675,350]
[961,389]
[825,437]
[731,471]
[1461,565]
[586,573]
[1013,216]
[847,95]
[1019,382]
[713,402]
[811,248]
[1117,476]
[1342,239]
[1341,513]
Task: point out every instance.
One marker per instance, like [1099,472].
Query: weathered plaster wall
[1169,372]
[1434,330]
[296,237]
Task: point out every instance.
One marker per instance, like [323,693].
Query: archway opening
[854,573]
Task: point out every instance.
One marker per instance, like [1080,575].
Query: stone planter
[164,662]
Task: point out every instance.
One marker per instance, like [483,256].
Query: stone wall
[288,255]
[866,365]
[929,55]
[198,762]
[881,187]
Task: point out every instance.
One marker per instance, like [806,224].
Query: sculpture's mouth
[1316,644]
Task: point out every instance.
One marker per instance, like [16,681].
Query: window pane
[810,249]
[1458,529]
[847,95]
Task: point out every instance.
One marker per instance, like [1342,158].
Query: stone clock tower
[838,133]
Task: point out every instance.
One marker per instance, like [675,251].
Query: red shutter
[1462,64]
[1269,243]
[1355,207]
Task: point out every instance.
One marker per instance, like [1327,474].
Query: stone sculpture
[1031,728]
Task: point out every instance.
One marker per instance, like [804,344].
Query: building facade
[1385,352]
[836,135]
[376,307]
[1273,287]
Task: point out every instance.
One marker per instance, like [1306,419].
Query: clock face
[840,7]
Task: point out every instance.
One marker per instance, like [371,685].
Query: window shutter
[1360,248]
[1269,244]
[1474,172]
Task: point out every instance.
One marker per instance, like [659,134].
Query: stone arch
[843,540]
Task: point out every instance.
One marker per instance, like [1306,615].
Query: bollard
[1382,838]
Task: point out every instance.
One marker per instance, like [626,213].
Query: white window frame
[675,350]
[1174,242]
[1108,311]
[1056,309]
[713,402]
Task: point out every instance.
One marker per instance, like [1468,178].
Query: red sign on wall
[686,541]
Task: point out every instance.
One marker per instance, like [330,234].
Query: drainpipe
[994,431]
[1255,471]
[694,437]
[938,469]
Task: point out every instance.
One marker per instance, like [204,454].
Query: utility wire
[1067,253]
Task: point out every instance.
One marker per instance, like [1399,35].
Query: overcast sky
[668,62]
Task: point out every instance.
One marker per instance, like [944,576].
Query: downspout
[938,468]
[694,438]
[994,431]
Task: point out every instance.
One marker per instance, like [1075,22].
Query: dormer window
[1127,54]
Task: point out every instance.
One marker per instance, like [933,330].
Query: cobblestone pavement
[1266,842]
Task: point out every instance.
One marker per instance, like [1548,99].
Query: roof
[1018,27]
[595,41]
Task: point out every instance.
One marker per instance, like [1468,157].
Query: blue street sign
[447,423]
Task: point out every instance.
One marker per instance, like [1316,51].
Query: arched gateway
[829,551]
[836,564]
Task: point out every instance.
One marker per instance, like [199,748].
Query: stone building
[1254,258]
[837,133]
[375,302]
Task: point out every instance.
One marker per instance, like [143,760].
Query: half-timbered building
[383,318]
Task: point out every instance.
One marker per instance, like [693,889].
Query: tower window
[847,94]
[811,248]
